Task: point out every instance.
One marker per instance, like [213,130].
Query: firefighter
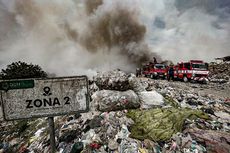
[154,60]
[171,73]
[138,72]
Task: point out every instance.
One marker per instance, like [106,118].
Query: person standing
[171,73]
[154,60]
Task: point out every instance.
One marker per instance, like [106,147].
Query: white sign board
[22,99]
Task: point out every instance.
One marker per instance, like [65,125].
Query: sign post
[52,134]
[34,98]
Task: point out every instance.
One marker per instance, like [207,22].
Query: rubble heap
[219,73]
[112,80]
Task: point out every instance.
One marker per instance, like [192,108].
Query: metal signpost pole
[52,134]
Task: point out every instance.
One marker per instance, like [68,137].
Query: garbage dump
[112,80]
[118,80]
[214,141]
[220,72]
[107,100]
[133,115]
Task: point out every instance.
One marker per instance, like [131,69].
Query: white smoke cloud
[182,30]
[49,33]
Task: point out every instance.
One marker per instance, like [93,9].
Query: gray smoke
[82,37]
[182,30]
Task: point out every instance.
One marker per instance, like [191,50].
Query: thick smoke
[74,37]
[115,29]
[84,36]
[92,6]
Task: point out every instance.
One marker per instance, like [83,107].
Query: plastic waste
[124,133]
[108,100]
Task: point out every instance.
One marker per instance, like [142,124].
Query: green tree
[22,70]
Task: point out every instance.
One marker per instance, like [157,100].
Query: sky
[79,37]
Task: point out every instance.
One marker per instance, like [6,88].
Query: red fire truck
[195,70]
[154,71]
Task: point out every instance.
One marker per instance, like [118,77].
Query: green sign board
[17,84]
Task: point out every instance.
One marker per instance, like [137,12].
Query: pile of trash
[112,80]
[108,100]
[108,92]
[133,115]
[219,72]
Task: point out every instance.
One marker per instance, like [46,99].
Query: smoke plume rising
[84,36]
[116,28]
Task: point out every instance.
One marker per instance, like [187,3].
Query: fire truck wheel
[185,79]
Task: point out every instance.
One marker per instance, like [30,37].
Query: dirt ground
[218,91]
